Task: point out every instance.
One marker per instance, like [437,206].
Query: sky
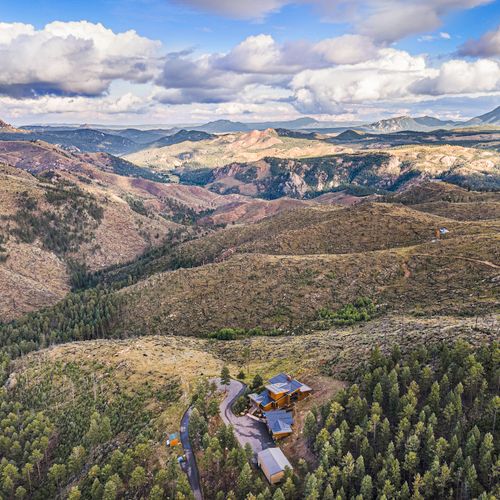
[152,62]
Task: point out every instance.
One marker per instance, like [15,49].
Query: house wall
[283,402]
[281,435]
[277,395]
[278,477]
[303,395]
[274,478]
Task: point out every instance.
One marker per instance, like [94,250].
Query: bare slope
[280,272]
[323,230]
[224,149]
[47,222]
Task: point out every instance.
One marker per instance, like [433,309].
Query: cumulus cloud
[486,46]
[461,77]
[386,77]
[257,61]
[187,80]
[74,58]
[347,49]
[261,54]
[78,107]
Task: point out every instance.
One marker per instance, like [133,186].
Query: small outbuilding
[273,463]
[173,440]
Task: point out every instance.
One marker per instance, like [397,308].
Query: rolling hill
[224,149]
[287,292]
[280,272]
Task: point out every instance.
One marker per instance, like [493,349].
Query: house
[273,463]
[279,423]
[280,392]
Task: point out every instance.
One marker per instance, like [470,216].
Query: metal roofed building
[280,392]
[273,463]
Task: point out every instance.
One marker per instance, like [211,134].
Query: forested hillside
[423,426]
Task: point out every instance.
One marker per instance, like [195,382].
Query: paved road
[190,466]
[246,429]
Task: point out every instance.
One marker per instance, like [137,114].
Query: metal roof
[284,383]
[279,421]
[262,399]
[274,460]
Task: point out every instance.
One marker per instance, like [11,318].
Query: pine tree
[278,495]
[310,427]
[156,493]
[225,377]
[289,489]
[138,478]
[110,490]
[244,482]
[366,488]
[74,493]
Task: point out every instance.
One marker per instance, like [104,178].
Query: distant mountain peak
[490,118]
[7,127]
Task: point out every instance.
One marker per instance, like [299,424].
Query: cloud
[486,46]
[74,58]
[430,38]
[347,49]
[257,61]
[391,20]
[382,20]
[261,54]
[203,79]
[79,107]
[461,77]
[239,9]
[386,77]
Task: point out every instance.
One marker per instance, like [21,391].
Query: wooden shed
[273,463]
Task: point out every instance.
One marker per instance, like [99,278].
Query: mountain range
[129,140]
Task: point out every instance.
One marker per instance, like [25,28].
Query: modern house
[280,393]
[273,462]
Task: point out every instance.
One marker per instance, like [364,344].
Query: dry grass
[281,271]
[30,279]
[457,275]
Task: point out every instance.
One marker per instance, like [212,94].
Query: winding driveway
[245,428]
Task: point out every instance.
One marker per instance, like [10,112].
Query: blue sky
[299,58]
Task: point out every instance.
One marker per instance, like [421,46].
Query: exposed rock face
[390,170]
[7,127]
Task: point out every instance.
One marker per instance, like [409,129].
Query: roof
[284,383]
[274,460]
[279,421]
[262,399]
